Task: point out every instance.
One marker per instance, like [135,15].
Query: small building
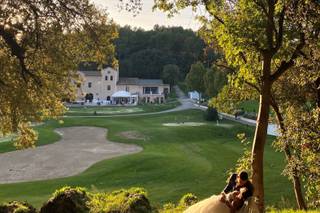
[106,87]
[194,95]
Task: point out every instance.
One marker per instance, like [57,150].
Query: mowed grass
[175,161]
[116,110]
[250,106]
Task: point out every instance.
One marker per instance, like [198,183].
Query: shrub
[188,200]
[133,200]
[67,200]
[211,114]
[17,207]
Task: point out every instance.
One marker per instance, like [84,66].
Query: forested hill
[143,54]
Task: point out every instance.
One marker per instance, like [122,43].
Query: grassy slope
[175,160]
[250,106]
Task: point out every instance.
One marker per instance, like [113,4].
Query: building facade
[106,87]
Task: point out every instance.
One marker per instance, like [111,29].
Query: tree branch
[279,34]
[253,86]
[206,3]
[285,65]
[18,52]
[260,4]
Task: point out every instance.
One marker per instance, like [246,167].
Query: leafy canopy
[42,42]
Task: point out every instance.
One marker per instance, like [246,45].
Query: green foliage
[244,162]
[145,53]
[305,145]
[133,200]
[39,54]
[186,201]
[211,114]
[214,80]
[170,74]
[194,78]
[183,86]
[67,200]
[17,207]
[230,98]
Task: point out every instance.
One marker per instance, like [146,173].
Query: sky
[147,18]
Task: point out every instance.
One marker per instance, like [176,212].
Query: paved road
[79,148]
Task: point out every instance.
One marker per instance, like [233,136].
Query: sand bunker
[133,135]
[184,124]
[79,148]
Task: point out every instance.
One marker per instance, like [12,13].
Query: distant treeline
[144,54]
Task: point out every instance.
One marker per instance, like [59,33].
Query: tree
[295,95]
[143,53]
[170,74]
[262,41]
[42,42]
[194,78]
[214,80]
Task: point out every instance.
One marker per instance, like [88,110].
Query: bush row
[79,200]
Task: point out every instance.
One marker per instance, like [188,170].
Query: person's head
[233,178]
[242,178]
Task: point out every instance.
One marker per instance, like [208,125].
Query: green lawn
[250,106]
[115,110]
[175,160]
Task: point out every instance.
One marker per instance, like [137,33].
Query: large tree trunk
[261,135]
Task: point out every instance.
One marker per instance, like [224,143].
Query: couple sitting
[238,190]
[231,200]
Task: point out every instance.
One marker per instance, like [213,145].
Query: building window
[111,78]
[150,90]
[108,87]
[127,88]
[106,77]
[89,84]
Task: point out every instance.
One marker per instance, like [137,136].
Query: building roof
[128,81]
[140,82]
[150,82]
[91,73]
[121,94]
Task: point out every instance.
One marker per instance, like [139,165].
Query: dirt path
[79,148]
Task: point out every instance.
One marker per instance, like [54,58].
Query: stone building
[106,87]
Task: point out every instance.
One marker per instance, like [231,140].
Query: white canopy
[121,94]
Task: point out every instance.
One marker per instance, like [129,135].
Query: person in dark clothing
[232,181]
[240,187]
